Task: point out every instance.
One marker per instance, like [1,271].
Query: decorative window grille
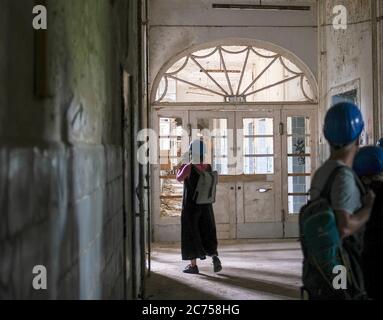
[234,74]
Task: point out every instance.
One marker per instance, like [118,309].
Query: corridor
[100,103]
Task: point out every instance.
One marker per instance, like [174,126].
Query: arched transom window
[234,74]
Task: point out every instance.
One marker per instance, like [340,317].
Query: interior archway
[255,105]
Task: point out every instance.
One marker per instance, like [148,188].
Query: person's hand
[369,199]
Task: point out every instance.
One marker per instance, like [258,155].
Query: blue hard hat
[369,161]
[380,143]
[197,147]
[343,124]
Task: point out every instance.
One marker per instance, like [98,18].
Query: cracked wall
[61,156]
[346,60]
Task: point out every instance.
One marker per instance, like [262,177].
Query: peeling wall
[61,175]
[346,59]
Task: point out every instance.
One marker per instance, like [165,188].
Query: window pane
[298,184]
[298,145]
[258,165]
[170,127]
[299,165]
[258,146]
[258,126]
[254,143]
[221,165]
[219,147]
[171,90]
[214,133]
[295,203]
[219,128]
[170,144]
[170,151]
[298,125]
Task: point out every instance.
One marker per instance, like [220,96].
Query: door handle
[264,190]
[231,188]
[239,188]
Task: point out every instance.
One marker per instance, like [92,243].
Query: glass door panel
[299,160]
[217,132]
[259,213]
[258,145]
[170,141]
[216,129]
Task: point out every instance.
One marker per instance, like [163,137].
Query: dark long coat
[198,230]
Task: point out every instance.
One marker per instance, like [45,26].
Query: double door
[264,158]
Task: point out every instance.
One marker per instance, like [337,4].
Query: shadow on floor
[258,272]
[160,287]
[254,284]
[261,250]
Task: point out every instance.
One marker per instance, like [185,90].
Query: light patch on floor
[252,270]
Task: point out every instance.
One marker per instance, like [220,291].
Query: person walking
[198,230]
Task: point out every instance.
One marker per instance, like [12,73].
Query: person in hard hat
[380,143]
[198,230]
[343,126]
[368,164]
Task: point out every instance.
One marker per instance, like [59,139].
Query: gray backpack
[206,187]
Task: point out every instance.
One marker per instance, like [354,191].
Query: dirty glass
[214,133]
[170,137]
[258,145]
[234,74]
[298,161]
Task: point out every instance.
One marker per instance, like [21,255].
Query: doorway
[255,106]
[264,157]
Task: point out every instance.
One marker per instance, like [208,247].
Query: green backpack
[322,246]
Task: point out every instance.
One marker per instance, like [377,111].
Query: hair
[342,150]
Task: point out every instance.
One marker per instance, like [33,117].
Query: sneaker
[217,264]
[191,269]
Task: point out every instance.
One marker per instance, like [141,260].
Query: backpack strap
[326,191]
[361,186]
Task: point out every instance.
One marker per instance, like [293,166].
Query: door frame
[172,224]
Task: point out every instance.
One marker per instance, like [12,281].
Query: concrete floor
[252,270]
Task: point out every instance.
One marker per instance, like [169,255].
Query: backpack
[206,187]
[323,248]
